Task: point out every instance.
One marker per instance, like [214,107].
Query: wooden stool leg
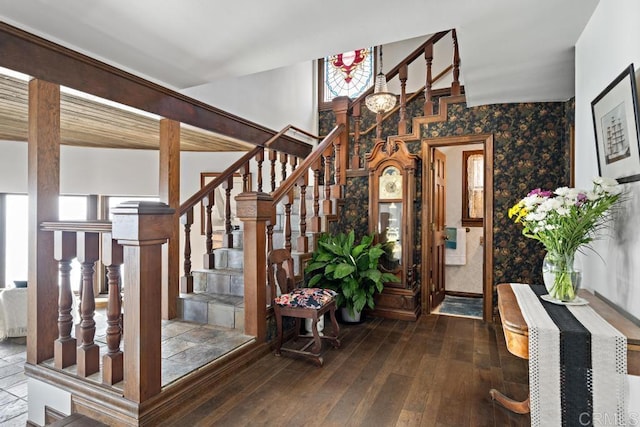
[279,327]
[510,404]
[336,329]
[317,343]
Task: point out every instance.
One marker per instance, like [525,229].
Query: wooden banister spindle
[208,258]
[355,160]
[402,122]
[186,281]
[245,172]
[336,188]
[428,102]
[378,127]
[269,237]
[273,156]
[315,221]
[65,345]
[327,205]
[112,362]
[228,229]
[89,352]
[293,162]
[284,158]
[259,160]
[288,201]
[455,84]
[303,240]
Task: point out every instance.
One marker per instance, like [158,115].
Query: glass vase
[561,276]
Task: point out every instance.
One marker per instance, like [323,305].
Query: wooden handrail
[288,184]
[409,59]
[227,173]
[91,226]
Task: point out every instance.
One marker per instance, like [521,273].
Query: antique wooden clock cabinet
[392,193]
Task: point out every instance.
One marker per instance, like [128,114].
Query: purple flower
[540,192]
[581,199]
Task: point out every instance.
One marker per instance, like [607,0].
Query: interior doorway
[436,232]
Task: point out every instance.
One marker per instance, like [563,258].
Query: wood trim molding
[427,144]
[45,60]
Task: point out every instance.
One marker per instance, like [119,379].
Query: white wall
[273,98]
[461,278]
[608,44]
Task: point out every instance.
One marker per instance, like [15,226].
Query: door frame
[487,269]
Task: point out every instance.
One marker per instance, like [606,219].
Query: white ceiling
[511,50]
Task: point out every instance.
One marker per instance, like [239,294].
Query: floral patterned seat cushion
[306,298]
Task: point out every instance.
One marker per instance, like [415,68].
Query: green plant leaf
[315,280]
[373,274]
[314,266]
[343,270]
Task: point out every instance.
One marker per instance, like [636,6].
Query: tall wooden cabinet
[392,216]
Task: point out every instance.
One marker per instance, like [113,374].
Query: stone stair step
[228,258]
[213,309]
[224,281]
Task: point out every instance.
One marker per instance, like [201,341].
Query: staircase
[218,293]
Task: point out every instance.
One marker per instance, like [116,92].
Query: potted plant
[350,269]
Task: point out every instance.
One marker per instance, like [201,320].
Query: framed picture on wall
[615,121]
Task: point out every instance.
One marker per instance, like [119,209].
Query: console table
[516,334]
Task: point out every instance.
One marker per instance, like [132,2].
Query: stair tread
[222,270]
[217,298]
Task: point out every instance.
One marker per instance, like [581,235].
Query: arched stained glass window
[348,74]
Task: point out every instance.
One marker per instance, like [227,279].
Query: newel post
[254,210]
[141,228]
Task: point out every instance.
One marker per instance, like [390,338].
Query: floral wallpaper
[531,150]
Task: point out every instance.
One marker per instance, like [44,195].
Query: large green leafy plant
[348,268]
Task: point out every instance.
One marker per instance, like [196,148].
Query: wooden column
[455,84]
[340,106]
[402,122]
[170,194]
[254,210]
[428,102]
[355,160]
[142,228]
[44,190]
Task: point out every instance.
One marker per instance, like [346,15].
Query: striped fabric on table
[577,363]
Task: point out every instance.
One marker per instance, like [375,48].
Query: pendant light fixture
[380,101]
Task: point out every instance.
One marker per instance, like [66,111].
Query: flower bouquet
[564,220]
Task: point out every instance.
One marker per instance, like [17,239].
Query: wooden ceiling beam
[32,55]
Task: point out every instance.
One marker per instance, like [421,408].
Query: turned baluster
[327,205]
[186,281]
[402,122]
[65,345]
[273,155]
[293,162]
[208,258]
[228,229]
[378,127]
[455,85]
[315,221]
[112,362]
[303,240]
[245,172]
[259,160]
[428,102]
[336,188]
[355,160]
[269,237]
[88,355]
[288,201]
[284,157]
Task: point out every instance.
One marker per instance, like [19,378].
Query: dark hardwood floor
[433,372]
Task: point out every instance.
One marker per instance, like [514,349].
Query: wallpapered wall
[531,150]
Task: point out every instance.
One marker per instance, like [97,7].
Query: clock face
[390,186]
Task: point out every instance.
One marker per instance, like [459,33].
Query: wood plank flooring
[433,372]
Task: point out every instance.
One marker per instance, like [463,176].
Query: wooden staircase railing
[134,239]
[401,71]
[224,180]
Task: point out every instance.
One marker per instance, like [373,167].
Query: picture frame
[617,131]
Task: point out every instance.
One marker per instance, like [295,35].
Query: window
[472,188]
[345,74]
